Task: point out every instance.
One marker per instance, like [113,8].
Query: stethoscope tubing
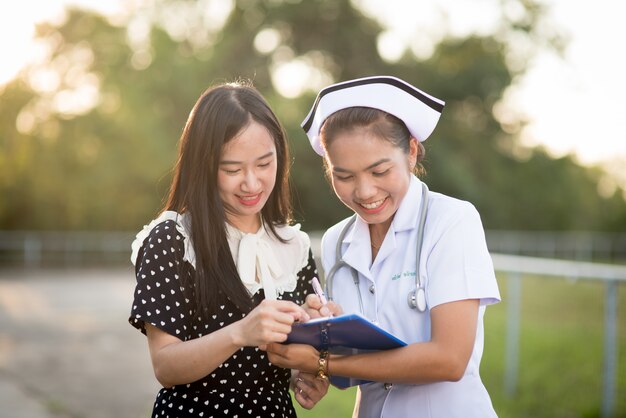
[416,297]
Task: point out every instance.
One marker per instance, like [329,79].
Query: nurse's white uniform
[455,265]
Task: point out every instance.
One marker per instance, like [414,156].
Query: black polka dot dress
[246,384]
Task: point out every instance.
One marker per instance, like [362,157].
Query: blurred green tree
[89,137]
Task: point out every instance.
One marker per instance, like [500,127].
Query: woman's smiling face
[370,175]
[247,175]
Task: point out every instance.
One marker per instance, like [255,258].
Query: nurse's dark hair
[382,124]
[221,113]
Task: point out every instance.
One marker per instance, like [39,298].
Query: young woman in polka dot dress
[221,273]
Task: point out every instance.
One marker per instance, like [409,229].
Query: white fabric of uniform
[455,265]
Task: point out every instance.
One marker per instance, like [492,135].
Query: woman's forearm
[180,362]
[176,362]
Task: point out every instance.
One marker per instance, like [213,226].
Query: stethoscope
[416,297]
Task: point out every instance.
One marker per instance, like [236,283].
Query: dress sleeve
[459,266]
[305,275]
[160,298]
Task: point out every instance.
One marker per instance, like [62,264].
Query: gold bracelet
[322,365]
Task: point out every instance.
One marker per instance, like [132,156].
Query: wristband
[322,365]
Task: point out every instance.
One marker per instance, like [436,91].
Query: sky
[574,104]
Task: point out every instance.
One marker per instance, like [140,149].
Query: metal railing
[33,249]
[568,245]
[36,248]
[515,267]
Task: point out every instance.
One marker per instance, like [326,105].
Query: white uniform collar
[406,216]
[359,255]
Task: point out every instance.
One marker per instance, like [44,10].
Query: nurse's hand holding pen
[316,304]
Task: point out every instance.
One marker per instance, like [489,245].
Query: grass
[560,354]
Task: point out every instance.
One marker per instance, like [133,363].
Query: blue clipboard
[344,334]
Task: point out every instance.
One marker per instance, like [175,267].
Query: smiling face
[247,175]
[369,174]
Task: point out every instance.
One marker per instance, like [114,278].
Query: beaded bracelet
[322,365]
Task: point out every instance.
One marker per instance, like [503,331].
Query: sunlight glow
[18,30]
[576,104]
[573,105]
[79,100]
[65,84]
[292,77]
[17,27]
[390,46]
[194,21]
[45,80]
[267,40]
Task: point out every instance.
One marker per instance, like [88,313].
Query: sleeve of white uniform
[459,266]
[327,245]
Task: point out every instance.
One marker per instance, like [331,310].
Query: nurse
[411,260]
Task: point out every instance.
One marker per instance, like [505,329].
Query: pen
[319,292]
[317,288]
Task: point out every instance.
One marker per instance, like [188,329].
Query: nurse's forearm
[415,364]
[444,358]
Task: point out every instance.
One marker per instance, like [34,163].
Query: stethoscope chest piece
[417,299]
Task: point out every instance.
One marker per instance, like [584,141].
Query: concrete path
[66,349]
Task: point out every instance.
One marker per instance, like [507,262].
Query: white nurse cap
[418,110]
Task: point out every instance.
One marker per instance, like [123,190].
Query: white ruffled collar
[265,262]
[260,255]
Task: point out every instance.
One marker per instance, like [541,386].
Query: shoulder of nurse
[445,209]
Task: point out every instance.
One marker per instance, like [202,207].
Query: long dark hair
[220,114]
